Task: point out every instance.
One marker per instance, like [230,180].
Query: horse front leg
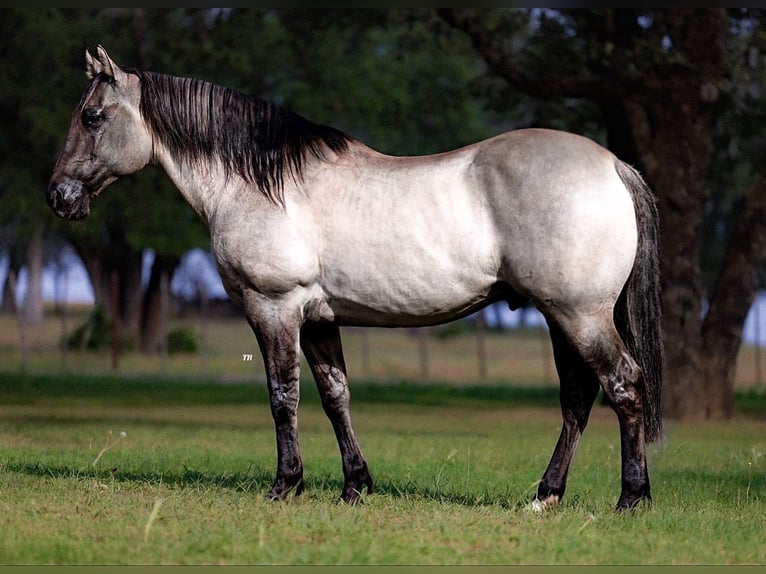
[322,347]
[277,331]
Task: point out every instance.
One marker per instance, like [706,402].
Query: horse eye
[92,117]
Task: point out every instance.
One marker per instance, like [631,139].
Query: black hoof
[284,486]
[631,500]
[352,490]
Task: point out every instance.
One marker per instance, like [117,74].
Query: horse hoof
[282,489]
[352,498]
[355,485]
[539,505]
[632,502]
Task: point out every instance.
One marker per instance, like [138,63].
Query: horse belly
[412,278]
[382,301]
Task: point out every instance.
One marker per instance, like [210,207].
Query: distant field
[117,470]
[520,357]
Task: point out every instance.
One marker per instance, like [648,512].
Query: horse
[312,230]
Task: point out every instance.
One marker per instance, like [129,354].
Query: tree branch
[502,65]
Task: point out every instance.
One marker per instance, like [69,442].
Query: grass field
[455,468]
[166,460]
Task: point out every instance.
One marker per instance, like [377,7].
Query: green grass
[454,469]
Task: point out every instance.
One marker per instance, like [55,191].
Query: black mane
[254,138]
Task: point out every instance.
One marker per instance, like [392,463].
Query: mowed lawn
[118,470]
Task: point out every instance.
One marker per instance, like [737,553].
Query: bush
[182,340]
[93,335]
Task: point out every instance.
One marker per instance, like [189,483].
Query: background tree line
[676,92]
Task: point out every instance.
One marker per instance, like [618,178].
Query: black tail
[638,313]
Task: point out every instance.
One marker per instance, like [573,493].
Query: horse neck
[204,184]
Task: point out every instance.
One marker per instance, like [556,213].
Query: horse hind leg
[321,345]
[579,387]
[600,346]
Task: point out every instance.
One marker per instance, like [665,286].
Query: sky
[68,282]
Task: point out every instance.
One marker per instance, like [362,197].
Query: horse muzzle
[69,199]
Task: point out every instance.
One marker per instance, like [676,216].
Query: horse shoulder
[269,250]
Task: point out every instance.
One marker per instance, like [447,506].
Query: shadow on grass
[257,481]
[251,481]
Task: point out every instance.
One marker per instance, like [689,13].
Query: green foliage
[394,82]
[182,340]
[399,79]
[93,335]
[453,329]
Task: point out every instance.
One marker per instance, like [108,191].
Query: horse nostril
[68,199]
[59,196]
[55,196]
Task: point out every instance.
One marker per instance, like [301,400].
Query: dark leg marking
[278,339]
[322,347]
[579,387]
[600,348]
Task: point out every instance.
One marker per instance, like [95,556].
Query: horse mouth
[69,200]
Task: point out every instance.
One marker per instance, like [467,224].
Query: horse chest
[270,263]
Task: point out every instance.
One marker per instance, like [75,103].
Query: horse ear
[92,66]
[102,64]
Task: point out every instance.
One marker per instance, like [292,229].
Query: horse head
[107,138]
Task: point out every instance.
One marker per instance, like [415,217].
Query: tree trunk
[34,311]
[732,297]
[130,266]
[674,144]
[672,127]
[100,261]
[154,304]
[9,295]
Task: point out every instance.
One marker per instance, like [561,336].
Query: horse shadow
[256,481]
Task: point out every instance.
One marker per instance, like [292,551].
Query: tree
[656,76]
[29,119]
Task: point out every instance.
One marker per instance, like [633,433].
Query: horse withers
[312,230]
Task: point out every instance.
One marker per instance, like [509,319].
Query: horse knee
[284,404]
